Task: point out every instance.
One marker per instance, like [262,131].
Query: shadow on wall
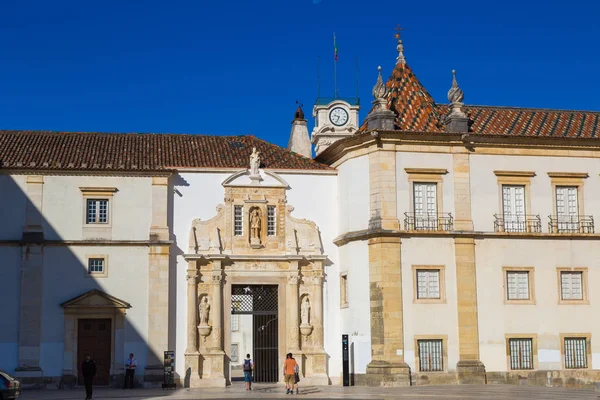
[63,297]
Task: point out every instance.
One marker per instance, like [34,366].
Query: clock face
[338,116]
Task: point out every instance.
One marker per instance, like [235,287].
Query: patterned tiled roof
[416,111]
[43,150]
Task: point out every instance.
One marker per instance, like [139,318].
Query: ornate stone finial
[455,94]
[379,90]
[457,121]
[400,59]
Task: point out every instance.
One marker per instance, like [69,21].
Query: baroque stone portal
[234,248]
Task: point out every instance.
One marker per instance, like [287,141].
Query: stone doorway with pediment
[254,240]
[94,323]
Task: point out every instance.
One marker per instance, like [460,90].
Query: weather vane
[399,32]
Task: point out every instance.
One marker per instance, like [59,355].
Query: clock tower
[335,119]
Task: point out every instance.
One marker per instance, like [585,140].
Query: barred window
[238,220]
[271,221]
[97,211]
[96,265]
[517,285]
[428,284]
[521,353]
[430,355]
[575,353]
[571,283]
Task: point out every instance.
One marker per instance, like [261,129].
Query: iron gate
[260,301]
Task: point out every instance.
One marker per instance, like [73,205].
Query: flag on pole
[335,49]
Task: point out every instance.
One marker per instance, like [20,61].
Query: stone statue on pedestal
[305,312]
[254,162]
[204,309]
[255,226]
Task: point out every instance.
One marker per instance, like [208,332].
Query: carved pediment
[302,235]
[95,299]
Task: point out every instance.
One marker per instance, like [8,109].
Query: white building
[453,243]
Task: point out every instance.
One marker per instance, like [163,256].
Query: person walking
[130,366]
[289,366]
[296,377]
[88,370]
[248,368]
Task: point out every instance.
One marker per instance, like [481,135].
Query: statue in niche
[305,312]
[254,162]
[255,225]
[204,310]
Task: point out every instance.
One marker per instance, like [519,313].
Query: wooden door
[94,338]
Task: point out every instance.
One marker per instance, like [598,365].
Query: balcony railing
[428,222]
[571,224]
[517,223]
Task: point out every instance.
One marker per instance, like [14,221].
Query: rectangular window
[96,265]
[428,284]
[234,352]
[235,322]
[430,355]
[425,205]
[517,284]
[567,208]
[575,353]
[521,353]
[97,211]
[571,285]
[344,290]
[271,221]
[513,208]
[238,220]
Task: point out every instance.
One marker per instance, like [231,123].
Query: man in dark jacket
[88,370]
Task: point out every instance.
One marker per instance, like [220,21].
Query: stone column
[158,285]
[213,371]
[192,356]
[316,357]
[387,366]
[31,291]
[469,368]
[192,309]
[293,319]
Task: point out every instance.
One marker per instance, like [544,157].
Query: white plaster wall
[485,189]
[243,337]
[546,318]
[63,206]
[65,277]
[355,319]
[10,270]
[353,195]
[423,160]
[314,197]
[12,206]
[429,319]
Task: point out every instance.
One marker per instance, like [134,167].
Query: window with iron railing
[517,223]
[575,353]
[521,353]
[431,356]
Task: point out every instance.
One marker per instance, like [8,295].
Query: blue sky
[237,67]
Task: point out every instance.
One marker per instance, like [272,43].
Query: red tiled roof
[43,150]
[416,111]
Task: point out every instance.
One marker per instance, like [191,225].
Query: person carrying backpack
[248,367]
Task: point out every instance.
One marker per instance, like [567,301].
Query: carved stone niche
[256,227]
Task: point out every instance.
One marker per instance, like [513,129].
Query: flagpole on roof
[335,57]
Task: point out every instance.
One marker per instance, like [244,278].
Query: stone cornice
[253,257]
[143,243]
[366,234]
[468,141]
[525,174]
[84,172]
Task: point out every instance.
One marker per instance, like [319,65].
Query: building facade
[452,243]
